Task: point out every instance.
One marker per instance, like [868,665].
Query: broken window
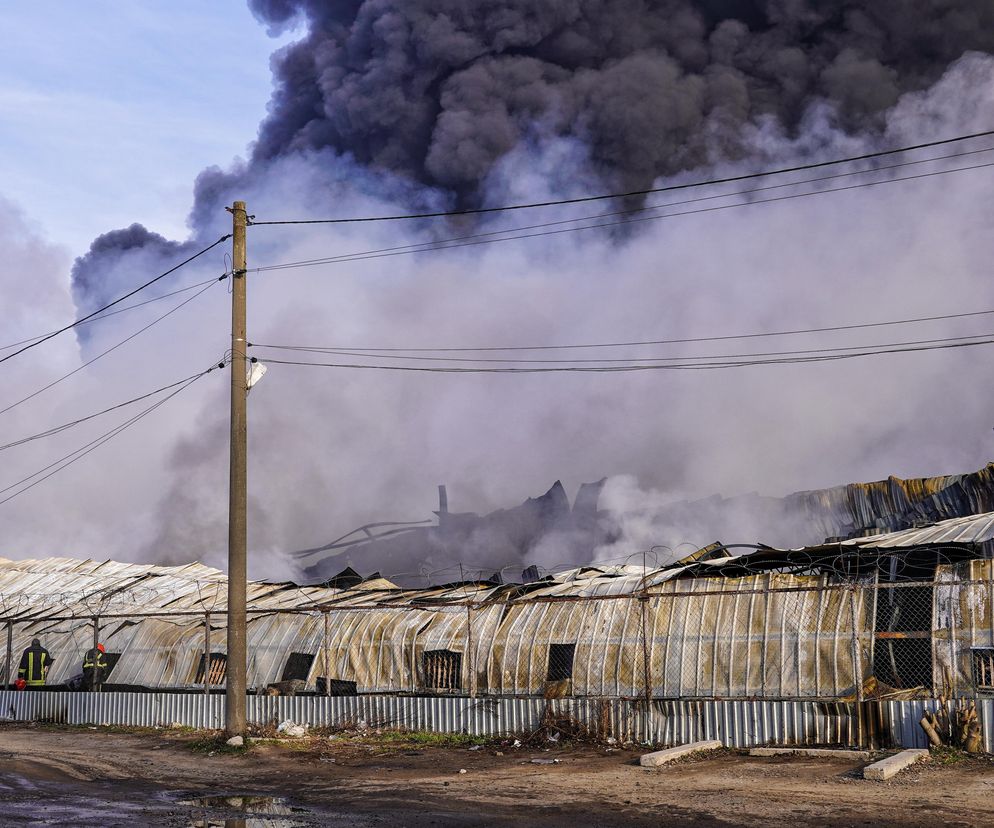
[560,662]
[443,669]
[218,671]
[983,669]
[298,666]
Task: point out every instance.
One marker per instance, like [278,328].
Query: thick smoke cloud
[98,278]
[385,106]
[440,90]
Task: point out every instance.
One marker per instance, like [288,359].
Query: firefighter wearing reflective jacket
[35,661]
[94,667]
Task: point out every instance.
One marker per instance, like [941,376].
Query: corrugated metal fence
[734,723]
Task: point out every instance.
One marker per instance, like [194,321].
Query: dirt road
[73,776]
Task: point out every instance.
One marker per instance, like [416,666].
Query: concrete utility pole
[234,717]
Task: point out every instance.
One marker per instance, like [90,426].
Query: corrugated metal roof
[969,529]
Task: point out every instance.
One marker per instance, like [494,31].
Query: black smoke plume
[439,90]
[433,93]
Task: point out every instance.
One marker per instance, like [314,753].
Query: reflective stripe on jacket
[94,658]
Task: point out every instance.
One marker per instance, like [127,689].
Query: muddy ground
[53,775]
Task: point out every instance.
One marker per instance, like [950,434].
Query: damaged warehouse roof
[771,623]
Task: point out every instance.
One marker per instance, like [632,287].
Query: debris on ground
[235,741]
[291,729]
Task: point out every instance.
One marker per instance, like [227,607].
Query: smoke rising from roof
[385,106]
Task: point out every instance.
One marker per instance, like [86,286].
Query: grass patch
[947,755]
[215,744]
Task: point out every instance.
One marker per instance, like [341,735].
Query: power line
[857,326]
[114,347]
[481,238]
[656,359]
[125,309]
[67,460]
[632,193]
[117,301]
[629,211]
[630,367]
[60,428]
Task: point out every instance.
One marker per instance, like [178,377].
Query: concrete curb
[661,757]
[893,765]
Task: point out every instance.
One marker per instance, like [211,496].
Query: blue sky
[108,110]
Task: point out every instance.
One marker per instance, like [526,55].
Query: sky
[108,117]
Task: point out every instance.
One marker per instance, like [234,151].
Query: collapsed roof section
[513,538]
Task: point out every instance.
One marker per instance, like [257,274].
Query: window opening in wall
[560,662]
[443,670]
[218,673]
[983,669]
[298,666]
[902,655]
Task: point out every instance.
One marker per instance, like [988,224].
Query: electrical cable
[638,343]
[632,359]
[114,347]
[632,193]
[125,309]
[67,460]
[58,429]
[117,301]
[411,248]
[627,368]
[481,238]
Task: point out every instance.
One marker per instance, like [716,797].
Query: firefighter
[94,666]
[35,661]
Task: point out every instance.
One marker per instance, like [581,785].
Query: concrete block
[893,765]
[822,753]
[661,757]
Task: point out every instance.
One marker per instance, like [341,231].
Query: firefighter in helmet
[35,661]
[94,667]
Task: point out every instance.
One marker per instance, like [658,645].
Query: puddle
[247,804]
[242,822]
[243,812]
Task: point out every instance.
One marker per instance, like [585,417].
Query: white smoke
[331,449]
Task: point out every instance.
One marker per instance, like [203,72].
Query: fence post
[326,658]
[857,671]
[646,672]
[471,660]
[207,654]
[96,640]
[10,652]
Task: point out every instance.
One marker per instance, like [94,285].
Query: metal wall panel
[738,724]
